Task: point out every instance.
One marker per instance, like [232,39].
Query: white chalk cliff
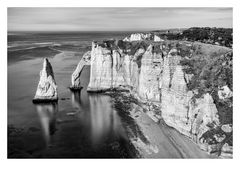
[47,88]
[157,39]
[75,80]
[149,76]
[142,36]
[137,37]
[156,76]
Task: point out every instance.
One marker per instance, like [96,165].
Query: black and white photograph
[119,82]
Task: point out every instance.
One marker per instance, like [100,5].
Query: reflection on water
[76,99]
[103,122]
[47,115]
[104,119]
[93,129]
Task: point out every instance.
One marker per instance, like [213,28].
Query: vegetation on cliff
[210,73]
[218,36]
[211,67]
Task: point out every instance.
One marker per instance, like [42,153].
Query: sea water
[80,125]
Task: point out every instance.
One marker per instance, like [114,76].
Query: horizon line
[161,29]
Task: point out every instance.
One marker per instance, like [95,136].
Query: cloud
[100,19]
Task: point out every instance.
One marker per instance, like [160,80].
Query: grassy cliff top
[185,48]
[131,47]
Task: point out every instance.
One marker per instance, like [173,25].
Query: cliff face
[178,109]
[150,75]
[155,74]
[115,69]
[105,65]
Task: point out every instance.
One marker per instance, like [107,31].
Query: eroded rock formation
[47,88]
[76,83]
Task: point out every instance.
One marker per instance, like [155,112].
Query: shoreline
[161,140]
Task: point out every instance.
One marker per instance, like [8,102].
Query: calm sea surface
[81,125]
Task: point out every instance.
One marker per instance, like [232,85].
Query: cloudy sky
[115,19]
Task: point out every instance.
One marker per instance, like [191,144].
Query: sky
[115,19]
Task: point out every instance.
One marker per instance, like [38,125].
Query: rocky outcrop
[47,88]
[76,85]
